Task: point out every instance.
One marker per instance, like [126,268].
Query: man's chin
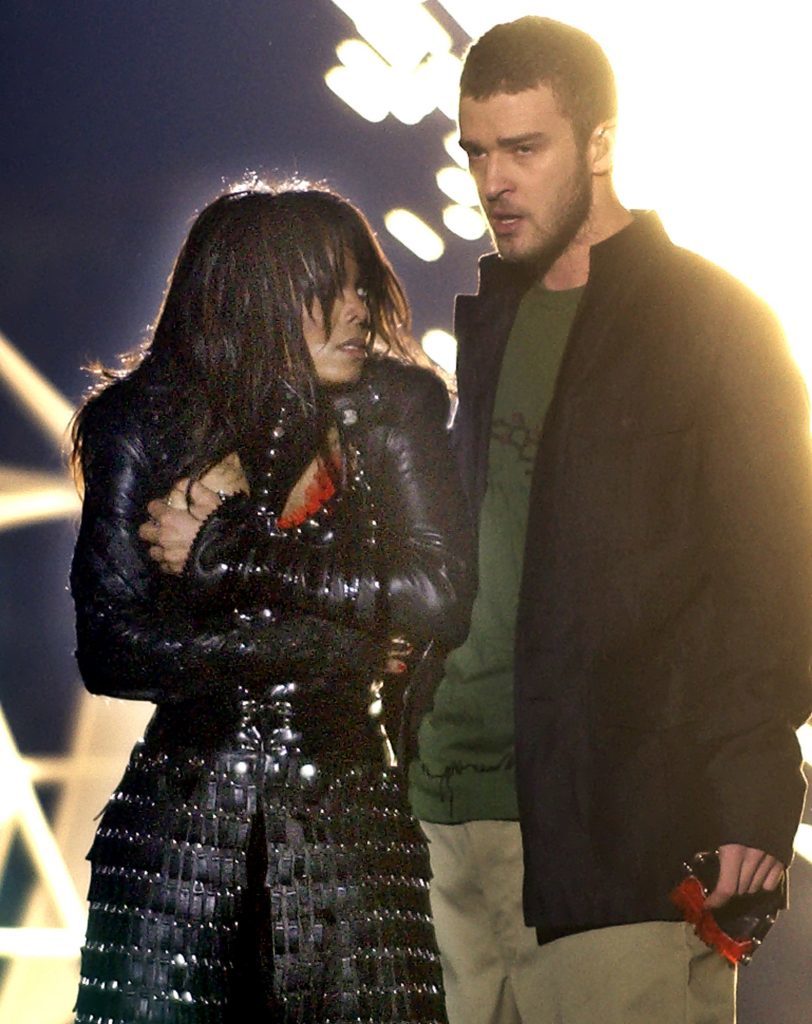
[509,250]
[520,256]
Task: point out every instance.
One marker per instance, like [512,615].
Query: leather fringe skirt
[254,883]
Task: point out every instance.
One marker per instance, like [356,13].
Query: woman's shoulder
[119,409]
[409,385]
[125,419]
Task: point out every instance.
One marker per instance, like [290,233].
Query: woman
[255,858]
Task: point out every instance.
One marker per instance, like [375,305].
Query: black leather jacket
[260,766]
[322,610]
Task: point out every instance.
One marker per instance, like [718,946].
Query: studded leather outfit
[256,860]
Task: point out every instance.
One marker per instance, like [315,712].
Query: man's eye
[524,150]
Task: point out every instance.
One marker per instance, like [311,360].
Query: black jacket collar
[622,251]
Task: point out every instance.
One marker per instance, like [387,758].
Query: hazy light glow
[405,66]
[717,151]
[413,93]
[362,81]
[445,70]
[415,234]
[33,392]
[38,505]
[451,144]
[442,348]
[458,185]
[402,31]
[22,811]
[803,842]
[465,222]
[805,739]
[476,16]
[374,88]
[28,496]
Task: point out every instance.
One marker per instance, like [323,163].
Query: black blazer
[665,619]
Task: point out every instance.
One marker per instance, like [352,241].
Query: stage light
[458,185]
[57,501]
[33,392]
[415,234]
[803,842]
[362,81]
[404,65]
[23,813]
[413,93]
[402,31]
[465,222]
[445,70]
[27,496]
[442,348]
[451,144]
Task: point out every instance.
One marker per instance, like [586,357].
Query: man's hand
[173,523]
[397,656]
[743,869]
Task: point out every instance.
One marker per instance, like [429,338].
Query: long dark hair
[229,336]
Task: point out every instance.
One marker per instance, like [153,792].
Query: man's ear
[601,148]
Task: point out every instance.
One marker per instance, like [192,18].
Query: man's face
[534,182]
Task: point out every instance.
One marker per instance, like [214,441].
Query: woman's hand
[175,520]
[226,477]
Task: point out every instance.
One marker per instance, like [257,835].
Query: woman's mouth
[354,347]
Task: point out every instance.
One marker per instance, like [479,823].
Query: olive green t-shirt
[464,770]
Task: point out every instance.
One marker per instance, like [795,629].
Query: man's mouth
[505,223]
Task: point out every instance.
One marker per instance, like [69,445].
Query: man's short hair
[535,51]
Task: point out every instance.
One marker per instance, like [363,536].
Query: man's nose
[494,180]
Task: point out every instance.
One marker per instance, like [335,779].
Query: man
[634,440]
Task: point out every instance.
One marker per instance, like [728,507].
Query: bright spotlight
[458,185]
[803,842]
[402,31]
[415,234]
[452,146]
[362,80]
[35,394]
[442,348]
[465,222]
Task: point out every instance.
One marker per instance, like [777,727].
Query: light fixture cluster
[402,65]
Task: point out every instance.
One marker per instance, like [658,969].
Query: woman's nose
[355,307]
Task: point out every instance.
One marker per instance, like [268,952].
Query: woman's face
[339,358]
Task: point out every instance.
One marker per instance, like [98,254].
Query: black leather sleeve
[137,636]
[415,580]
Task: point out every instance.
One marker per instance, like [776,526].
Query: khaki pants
[496,973]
